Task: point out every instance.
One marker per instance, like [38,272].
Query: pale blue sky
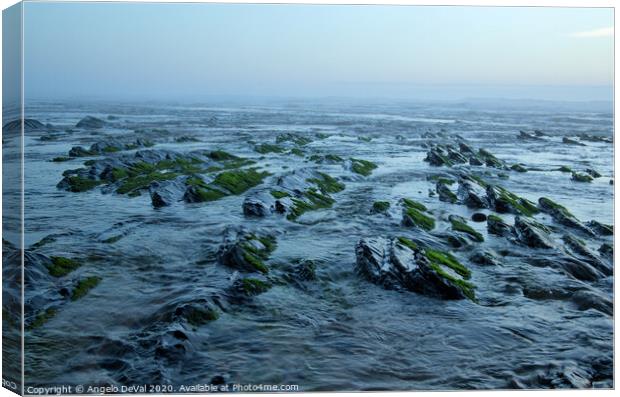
[188,51]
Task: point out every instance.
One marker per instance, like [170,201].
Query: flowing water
[340,332]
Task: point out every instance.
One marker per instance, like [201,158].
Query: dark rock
[580,177]
[580,249]
[479,217]
[246,251]
[260,204]
[445,194]
[165,193]
[91,123]
[569,141]
[600,229]
[30,125]
[473,160]
[497,226]
[593,173]
[490,160]
[607,250]
[485,258]
[438,157]
[529,137]
[586,300]
[532,234]
[472,194]
[466,149]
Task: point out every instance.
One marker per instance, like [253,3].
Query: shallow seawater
[339,332]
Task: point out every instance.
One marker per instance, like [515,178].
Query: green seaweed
[143,181]
[279,194]
[238,181]
[419,219]
[316,201]
[521,205]
[61,159]
[199,316]
[254,286]
[380,206]
[42,318]
[220,155]
[84,286]
[565,168]
[62,266]
[327,183]
[495,218]
[545,202]
[408,243]
[362,167]
[255,261]
[113,239]
[269,148]
[518,168]
[465,228]
[111,149]
[208,193]
[297,152]
[296,139]
[334,158]
[580,177]
[438,260]
[79,184]
[414,204]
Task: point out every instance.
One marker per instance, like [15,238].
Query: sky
[190,51]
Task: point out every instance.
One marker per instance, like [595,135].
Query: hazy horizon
[155,51]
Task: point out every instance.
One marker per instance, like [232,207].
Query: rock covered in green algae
[295,193]
[294,138]
[61,266]
[168,176]
[380,206]
[362,167]
[490,160]
[444,192]
[41,318]
[91,123]
[532,233]
[581,250]
[504,201]
[581,177]
[197,315]
[600,228]
[399,263]
[569,141]
[562,215]
[326,159]
[251,286]
[265,148]
[472,192]
[518,168]
[246,251]
[496,225]
[485,258]
[460,225]
[84,286]
[109,146]
[415,214]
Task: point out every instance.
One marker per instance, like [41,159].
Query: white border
[505,3]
